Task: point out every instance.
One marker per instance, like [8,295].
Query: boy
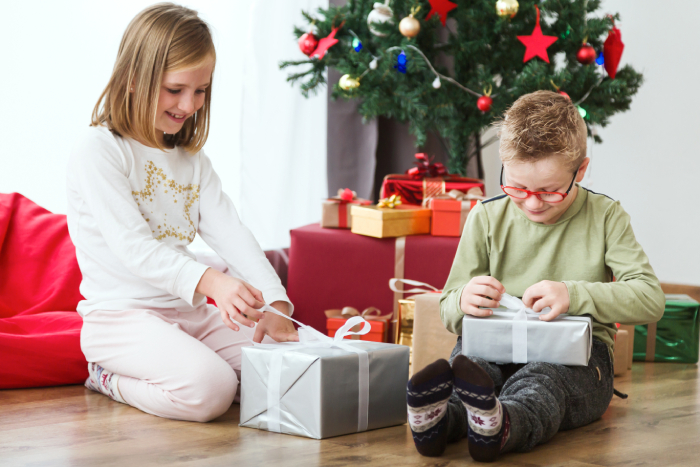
[557,245]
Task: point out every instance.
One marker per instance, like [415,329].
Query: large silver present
[324,387]
[516,335]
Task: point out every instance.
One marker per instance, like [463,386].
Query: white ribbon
[426,287]
[309,337]
[519,325]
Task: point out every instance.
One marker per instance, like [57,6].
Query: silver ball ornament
[380,14]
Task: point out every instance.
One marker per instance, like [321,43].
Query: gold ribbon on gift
[432,187]
[369,314]
[390,202]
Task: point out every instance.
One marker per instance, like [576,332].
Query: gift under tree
[450,67]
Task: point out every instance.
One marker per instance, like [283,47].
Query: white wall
[57,58]
[650,155]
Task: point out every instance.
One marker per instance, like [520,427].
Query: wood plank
[658,425]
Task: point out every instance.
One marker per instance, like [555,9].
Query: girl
[139,189]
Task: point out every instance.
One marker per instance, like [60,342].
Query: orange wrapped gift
[450,211]
[380,324]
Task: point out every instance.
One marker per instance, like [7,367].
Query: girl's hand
[547,294]
[481,291]
[277,327]
[235,298]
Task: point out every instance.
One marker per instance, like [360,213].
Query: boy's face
[548,174]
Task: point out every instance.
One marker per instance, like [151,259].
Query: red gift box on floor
[379,324]
[331,268]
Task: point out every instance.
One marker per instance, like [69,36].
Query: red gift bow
[424,168]
[346,196]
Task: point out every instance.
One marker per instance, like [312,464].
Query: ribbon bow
[519,325]
[425,168]
[371,313]
[421,287]
[472,194]
[346,194]
[390,202]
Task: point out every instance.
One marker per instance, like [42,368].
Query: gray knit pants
[542,398]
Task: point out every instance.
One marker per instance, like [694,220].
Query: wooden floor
[658,425]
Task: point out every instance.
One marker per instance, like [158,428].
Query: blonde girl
[139,189]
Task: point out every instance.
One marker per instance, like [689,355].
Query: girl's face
[181,96]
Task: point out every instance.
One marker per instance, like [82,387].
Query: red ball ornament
[308,43]
[484,103]
[564,94]
[586,55]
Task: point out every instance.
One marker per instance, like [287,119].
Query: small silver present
[323,387]
[516,335]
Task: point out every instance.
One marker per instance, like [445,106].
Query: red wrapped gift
[450,211]
[419,184]
[336,212]
[380,324]
[331,268]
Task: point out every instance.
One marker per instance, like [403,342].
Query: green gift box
[675,338]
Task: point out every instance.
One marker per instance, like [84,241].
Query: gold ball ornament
[347,83]
[507,8]
[409,26]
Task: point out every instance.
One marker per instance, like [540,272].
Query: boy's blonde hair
[162,38]
[543,124]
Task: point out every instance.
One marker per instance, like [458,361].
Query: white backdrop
[58,56]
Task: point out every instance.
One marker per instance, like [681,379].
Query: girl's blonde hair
[162,38]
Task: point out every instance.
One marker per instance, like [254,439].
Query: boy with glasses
[557,245]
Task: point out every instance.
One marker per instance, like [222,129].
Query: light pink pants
[184,366]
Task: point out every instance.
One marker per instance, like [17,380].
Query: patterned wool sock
[103,382]
[484,412]
[427,394]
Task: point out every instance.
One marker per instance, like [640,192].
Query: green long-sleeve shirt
[590,244]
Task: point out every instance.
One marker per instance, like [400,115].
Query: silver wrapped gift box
[501,338]
[319,389]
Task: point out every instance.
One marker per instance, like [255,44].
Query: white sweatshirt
[132,212]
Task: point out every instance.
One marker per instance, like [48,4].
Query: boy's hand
[547,294]
[277,327]
[481,291]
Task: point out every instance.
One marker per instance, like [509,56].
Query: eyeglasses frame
[538,193]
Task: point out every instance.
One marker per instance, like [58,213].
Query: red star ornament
[325,44]
[536,44]
[440,8]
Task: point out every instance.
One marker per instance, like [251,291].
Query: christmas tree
[452,68]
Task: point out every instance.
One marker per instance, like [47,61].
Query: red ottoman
[39,291]
[333,268]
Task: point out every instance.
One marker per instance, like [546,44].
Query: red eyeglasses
[546,196]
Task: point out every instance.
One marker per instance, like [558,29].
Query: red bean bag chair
[39,291]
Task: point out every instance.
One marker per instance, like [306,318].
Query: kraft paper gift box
[431,341]
[323,391]
[520,337]
[380,222]
[675,338]
[336,210]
